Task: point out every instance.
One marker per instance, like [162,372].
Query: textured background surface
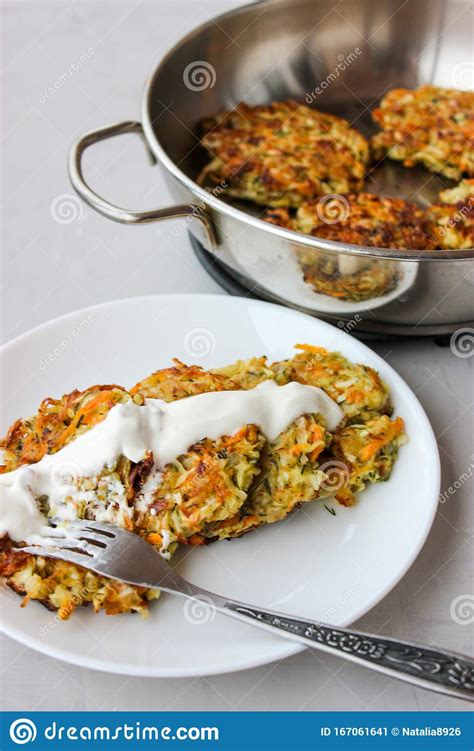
[49,268]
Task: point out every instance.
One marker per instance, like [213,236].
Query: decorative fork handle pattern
[423,666]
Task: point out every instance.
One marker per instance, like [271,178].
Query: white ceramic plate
[313,564]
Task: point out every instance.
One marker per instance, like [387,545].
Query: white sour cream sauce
[165,429]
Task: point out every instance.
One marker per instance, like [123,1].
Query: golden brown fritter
[367,279]
[364,447]
[246,374]
[358,219]
[200,489]
[453,217]
[56,423]
[348,278]
[283,153]
[430,126]
[62,587]
[290,475]
[367,450]
[206,484]
[179,381]
[218,489]
[362,219]
[183,380]
[357,389]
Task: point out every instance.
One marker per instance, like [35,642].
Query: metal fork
[125,556]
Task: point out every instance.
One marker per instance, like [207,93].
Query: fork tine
[106,530]
[84,533]
[71,555]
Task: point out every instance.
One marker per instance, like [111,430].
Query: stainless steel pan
[342,57]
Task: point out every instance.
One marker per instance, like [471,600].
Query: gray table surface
[50,268]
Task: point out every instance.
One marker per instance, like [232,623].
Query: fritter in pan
[367,219]
[453,217]
[282,154]
[430,126]
[358,219]
[347,278]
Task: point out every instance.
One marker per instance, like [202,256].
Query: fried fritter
[206,484]
[357,389]
[290,475]
[62,587]
[218,489]
[359,219]
[280,484]
[183,380]
[246,374]
[367,219]
[283,154]
[368,451]
[430,126]
[453,217]
[57,422]
[178,382]
[363,279]
[364,448]
[200,489]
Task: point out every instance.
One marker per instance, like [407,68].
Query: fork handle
[441,671]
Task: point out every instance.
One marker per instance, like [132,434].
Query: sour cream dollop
[165,429]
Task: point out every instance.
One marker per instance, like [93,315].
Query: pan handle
[127,216]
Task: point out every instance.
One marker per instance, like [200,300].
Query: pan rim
[220,206]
